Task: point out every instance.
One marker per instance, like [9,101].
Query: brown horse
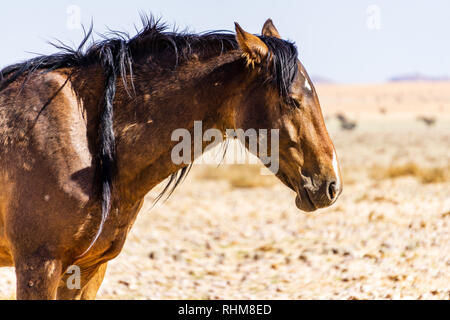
[73,176]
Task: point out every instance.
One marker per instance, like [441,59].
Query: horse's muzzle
[311,198]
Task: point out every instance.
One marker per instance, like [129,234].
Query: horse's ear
[253,48]
[269,30]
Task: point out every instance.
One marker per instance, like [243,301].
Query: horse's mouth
[304,202]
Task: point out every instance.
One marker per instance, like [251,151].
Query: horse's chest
[118,228]
[116,243]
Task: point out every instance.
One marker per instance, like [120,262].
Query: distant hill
[418,77]
[321,80]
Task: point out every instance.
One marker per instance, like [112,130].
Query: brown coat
[50,208]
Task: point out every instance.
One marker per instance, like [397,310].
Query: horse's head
[282,96]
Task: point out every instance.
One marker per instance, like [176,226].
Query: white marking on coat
[336,169]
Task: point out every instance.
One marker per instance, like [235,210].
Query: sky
[347,41]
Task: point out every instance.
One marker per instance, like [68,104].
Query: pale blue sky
[333,38]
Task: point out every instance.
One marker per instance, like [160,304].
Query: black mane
[117,54]
[121,50]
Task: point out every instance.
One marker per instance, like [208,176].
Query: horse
[85,135]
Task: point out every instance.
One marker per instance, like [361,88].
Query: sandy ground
[386,238]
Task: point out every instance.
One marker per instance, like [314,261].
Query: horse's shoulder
[57,132]
[54,87]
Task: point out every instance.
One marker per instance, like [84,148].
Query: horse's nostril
[332,191]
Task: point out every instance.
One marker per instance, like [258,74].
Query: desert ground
[230,233]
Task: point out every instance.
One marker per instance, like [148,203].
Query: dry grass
[425,175]
[238,176]
[350,175]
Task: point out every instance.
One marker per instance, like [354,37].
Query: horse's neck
[164,103]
